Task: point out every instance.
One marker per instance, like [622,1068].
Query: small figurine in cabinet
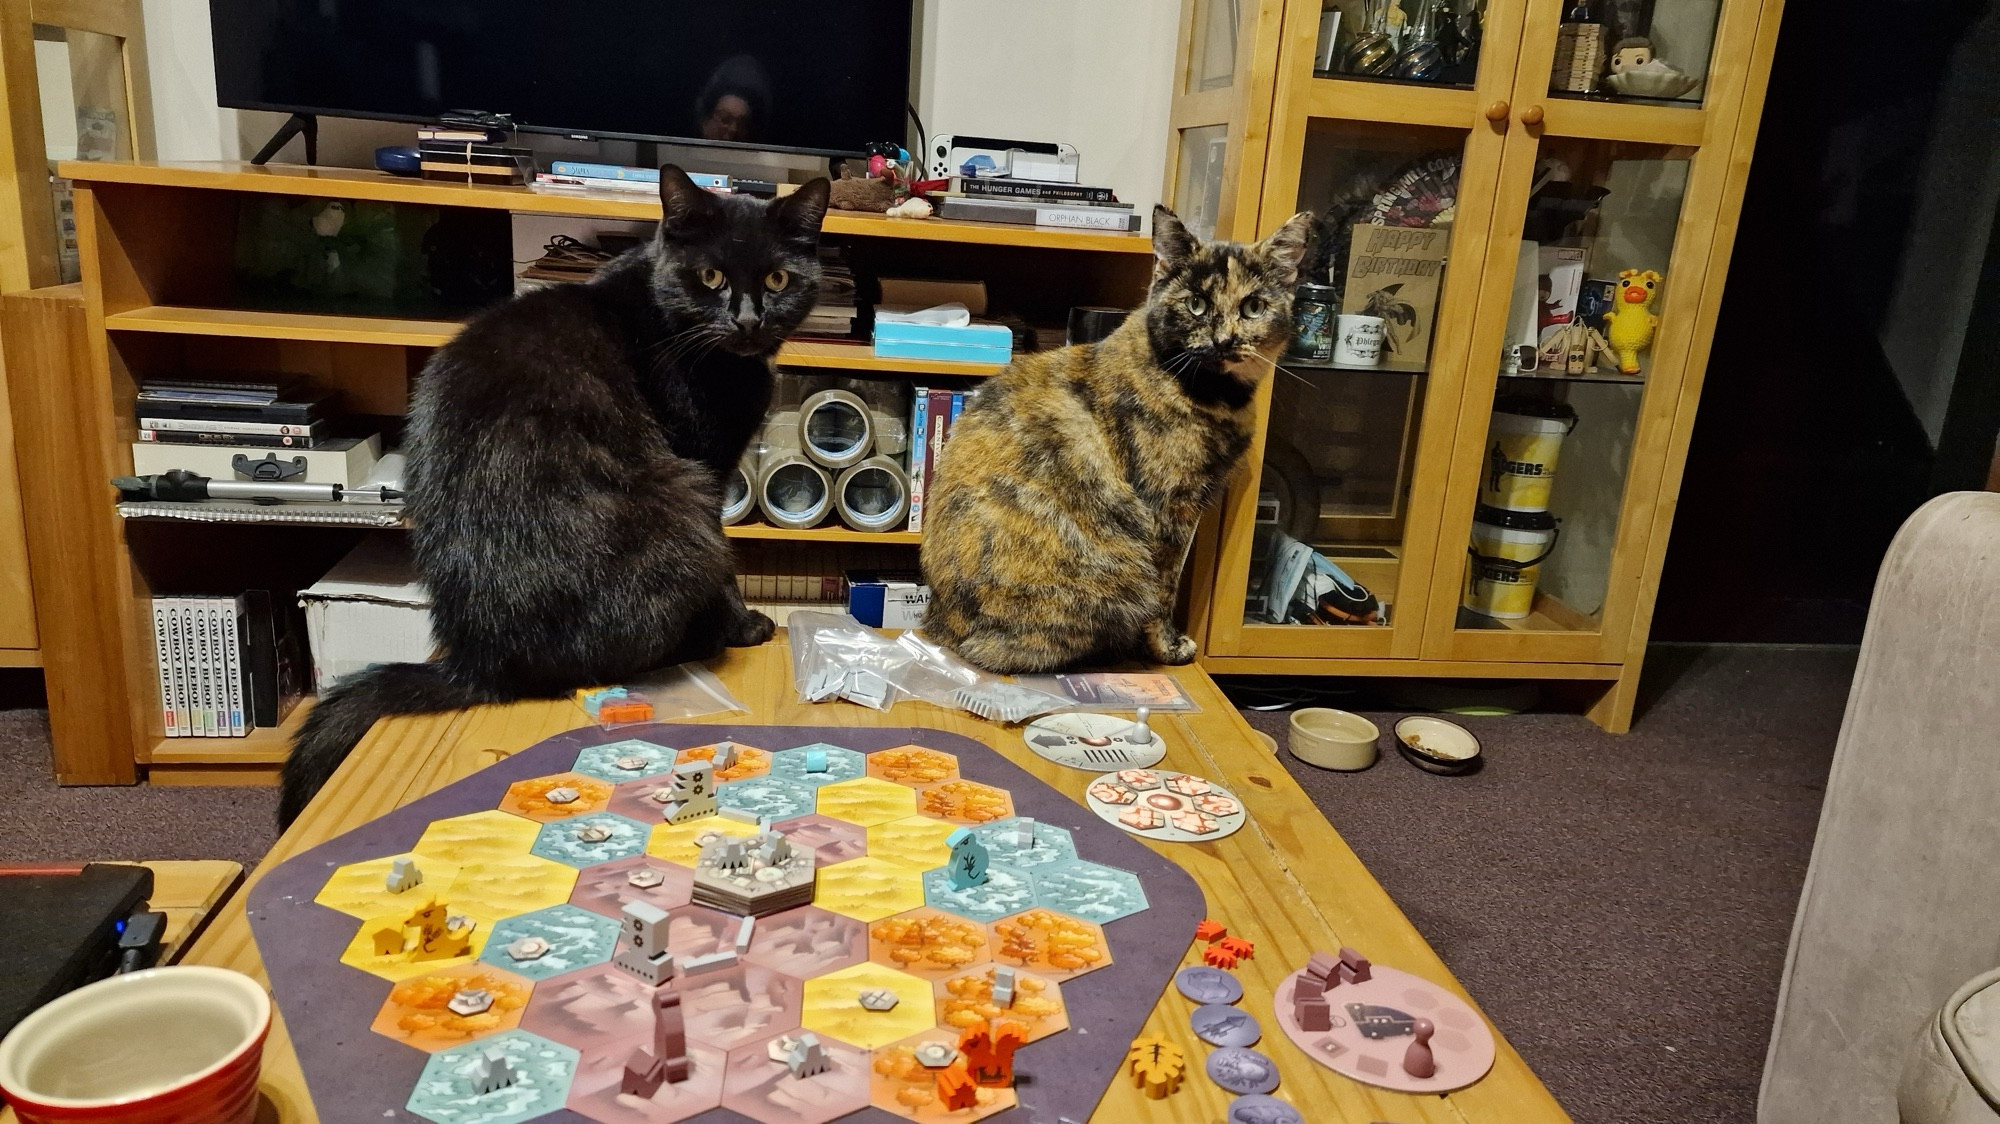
[1630,325]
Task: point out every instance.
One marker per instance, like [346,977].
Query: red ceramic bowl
[164,1046]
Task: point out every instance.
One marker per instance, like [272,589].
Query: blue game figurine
[967,866]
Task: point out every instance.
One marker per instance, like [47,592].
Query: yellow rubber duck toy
[1630,325]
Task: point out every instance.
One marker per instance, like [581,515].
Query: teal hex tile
[570,842]
[601,761]
[1052,844]
[1005,891]
[543,1070]
[577,938]
[771,797]
[1085,889]
[841,765]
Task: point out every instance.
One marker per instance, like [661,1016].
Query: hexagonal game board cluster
[508,947]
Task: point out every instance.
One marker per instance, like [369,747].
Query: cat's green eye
[1251,306]
[776,280]
[1196,305]
[712,277]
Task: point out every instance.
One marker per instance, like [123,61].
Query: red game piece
[646,1071]
[1243,949]
[989,1051]
[1209,930]
[955,1087]
[1320,970]
[1353,966]
[1309,1006]
[1417,1060]
[1218,955]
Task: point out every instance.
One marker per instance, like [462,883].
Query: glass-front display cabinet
[1467,455]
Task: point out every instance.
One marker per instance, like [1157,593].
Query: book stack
[228,665]
[833,316]
[464,154]
[933,412]
[571,176]
[278,412]
[1034,203]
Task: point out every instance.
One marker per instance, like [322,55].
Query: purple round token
[1219,1024]
[1258,1108]
[1242,1071]
[1208,985]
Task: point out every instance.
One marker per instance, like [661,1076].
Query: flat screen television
[817,76]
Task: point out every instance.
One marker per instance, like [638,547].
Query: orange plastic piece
[1209,931]
[1243,949]
[988,1051]
[1218,956]
[955,1087]
[625,710]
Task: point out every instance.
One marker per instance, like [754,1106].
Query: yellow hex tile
[480,836]
[367,950]
[361,889]
[869,888]
[677,842]
[867,801]
[504,887]
[832,1006]
[913,841]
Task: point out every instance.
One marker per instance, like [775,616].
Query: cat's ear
[1172,244]
[798,215]
[682,202]
[1286,247]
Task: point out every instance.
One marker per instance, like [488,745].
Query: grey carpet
[1619,906]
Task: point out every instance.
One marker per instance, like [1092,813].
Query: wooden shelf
[362,183]
[1594,376]
[1399,103]
[861,357]
[819,534]
[253,759]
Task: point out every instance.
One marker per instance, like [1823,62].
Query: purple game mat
[358,1076]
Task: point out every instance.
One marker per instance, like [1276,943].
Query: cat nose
[746,316]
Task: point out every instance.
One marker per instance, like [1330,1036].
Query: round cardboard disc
[1220,1024]
[1163,804]
[1242,1071]
[1372,1031]
[1093,742]
[1262,1108]
[1208,986]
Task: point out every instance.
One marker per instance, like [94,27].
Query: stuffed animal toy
[1630,324]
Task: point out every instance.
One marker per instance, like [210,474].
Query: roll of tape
[873,495]
[794,492]
[739,491]
[779,436]
[835,428]
[892,431]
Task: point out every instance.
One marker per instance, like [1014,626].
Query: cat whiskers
[1280,367]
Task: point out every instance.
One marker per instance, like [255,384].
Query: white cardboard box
[347,463]
[369,609]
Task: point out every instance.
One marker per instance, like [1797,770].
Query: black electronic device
[63,927]
[817,76]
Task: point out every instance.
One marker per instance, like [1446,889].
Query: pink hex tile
[594,1009]
[730,1006]
[634,799]
[833,841]
[808,941]
[595,1090]
[605,888]
[766,1091]
[696,930]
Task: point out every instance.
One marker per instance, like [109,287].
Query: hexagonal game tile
[594,1093]
[543,1070]
[965,802]
[563,939]
[1052,844]
[807,941]
[1038,1004]
[377,947]
[362,890]
[1005,891]
[832,841]
[1050,944]
[503,887]
[1085,889]
[913,841]
[924,942]
[540,798]
[605,889]
[478,837]
[728,1007]
[867,801]
[841,765]
[696,930]
[833,1006]
[767,797]
[600,837]
[765,1090]
[636,799]
[681,842]
[646,758]
[912,765]
[419,1012]
[869,889]
[594,1009]
[750,762]
[900,1084]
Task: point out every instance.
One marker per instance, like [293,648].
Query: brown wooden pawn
[1417,1060]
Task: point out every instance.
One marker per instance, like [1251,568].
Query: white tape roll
[793,492]
[835,428]
[739,491]
[873,495]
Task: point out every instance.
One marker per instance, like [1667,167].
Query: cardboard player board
[1372,1031]
[1163,804]
[527,867]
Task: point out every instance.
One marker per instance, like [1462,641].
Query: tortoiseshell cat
[1062,509]
[565,453]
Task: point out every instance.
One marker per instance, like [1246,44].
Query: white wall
[1095,75]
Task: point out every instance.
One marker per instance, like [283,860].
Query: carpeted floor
[1619,906]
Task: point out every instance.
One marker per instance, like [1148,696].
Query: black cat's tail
[345,713]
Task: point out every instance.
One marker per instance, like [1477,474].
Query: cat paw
[1172,647]
[751,629]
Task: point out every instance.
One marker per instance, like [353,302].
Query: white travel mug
[1358,340]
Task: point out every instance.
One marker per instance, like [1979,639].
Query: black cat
[565,453]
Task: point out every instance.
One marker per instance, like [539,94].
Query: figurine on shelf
[1635,71]
[1629,327]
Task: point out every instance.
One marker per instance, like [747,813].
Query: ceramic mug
[1358,341]
[162,1046]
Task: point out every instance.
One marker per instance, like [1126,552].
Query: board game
[613,926]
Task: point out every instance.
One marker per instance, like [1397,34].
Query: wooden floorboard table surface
[1286,881]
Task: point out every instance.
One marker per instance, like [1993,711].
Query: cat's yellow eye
[776,280]
[1251,306]
[712,277]
[1197,305]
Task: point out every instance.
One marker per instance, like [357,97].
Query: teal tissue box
[970,343]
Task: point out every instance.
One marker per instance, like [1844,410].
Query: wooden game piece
[645,932]
[646,1070]
[1003,986]
[732,854]
[1209,930]
[1242,949]
[806,1058]
[651,968]
[1418,1060]
[816,761]
[967,866]
[1218,955]
[725,756]
[692,796]
[1353,966]
[492,1072]
[955,1087]
[1312,1012]
[744,931]
[713,962]
[740,815]
[440,936]
[773,849]
[1156,1065]
[1019,834]
[403,875]
[1320,969]
[989,1051]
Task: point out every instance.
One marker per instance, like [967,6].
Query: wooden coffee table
[1286,881]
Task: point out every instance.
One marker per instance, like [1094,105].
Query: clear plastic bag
[836,656]
[686,690]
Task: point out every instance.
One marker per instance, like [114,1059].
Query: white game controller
[948,153]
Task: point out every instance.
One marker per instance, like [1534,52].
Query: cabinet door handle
[1531,115]
[1498,111]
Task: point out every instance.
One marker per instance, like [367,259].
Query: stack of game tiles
[753,877]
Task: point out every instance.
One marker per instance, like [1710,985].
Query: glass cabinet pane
[1198,192]
[81,79]
[1348,396]
[1589,292]
[1435,42]
[1652,52]
[1212,45]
